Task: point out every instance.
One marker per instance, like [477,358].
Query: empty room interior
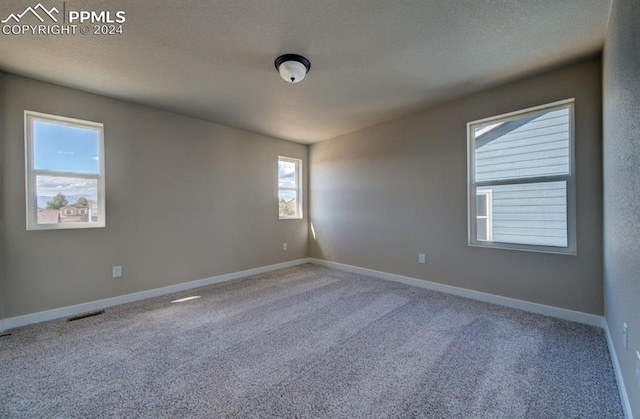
[339,209]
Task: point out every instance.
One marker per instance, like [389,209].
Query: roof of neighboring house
[48,216]
[73,206]
[503,129]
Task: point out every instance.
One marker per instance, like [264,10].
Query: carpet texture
[308,341]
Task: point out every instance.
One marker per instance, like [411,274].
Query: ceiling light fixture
[292,67]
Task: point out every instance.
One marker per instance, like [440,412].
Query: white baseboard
[561,313]
[590,319]
[13,322]
[624,398]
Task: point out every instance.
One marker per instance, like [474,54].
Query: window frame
[31,173]
[297,188]
[569,178]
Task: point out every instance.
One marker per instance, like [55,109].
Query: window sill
[568,251]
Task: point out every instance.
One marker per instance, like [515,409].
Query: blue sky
[67,149]
[286,174]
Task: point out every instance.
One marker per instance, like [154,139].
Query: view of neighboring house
[92,205]
[71,213]
[46,216]
[520,212]
[74,213]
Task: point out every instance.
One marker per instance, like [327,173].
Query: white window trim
[489,194]
[297,188]
[31,173]
[472,185]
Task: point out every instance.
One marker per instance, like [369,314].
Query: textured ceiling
[371,60]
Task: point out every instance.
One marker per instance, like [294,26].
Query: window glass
[289,188]
[65,174]
[521,180]
[65,148]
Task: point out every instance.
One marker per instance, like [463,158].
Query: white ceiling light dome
[292,67]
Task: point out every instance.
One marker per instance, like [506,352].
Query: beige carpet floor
[308,342]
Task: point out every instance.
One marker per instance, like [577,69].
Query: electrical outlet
[422,258]
[284,247]
[116,271]
[625,336]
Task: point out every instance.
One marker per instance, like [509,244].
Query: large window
[64,172]
[289,188]
[521,180]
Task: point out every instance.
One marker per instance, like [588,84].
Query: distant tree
[286,208]
[82,201]
[57,202]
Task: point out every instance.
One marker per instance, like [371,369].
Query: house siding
[532,213]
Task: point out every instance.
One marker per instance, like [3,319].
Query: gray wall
[2,265]
[622,186]
[383,194]
[186,199]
